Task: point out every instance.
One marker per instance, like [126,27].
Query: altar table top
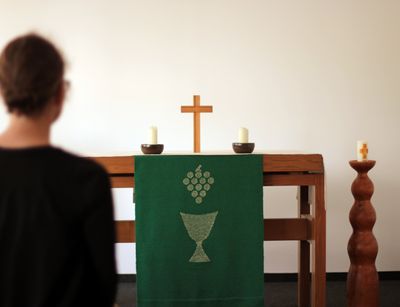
[273,162]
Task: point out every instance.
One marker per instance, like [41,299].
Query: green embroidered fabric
[199,231]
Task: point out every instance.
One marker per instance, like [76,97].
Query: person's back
[56,219]
[54,207]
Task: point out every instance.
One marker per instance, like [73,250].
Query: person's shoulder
[86,178]
[81,166]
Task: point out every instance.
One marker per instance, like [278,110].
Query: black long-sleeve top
[56,230]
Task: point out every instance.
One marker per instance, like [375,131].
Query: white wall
[306,75]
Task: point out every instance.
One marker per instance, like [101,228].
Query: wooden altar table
[306,171]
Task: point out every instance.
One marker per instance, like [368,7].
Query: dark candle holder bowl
[243,147]
[152,149]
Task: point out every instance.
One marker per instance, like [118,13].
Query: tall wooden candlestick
[362,279]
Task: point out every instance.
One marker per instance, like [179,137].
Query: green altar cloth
[199,231]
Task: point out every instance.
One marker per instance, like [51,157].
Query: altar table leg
[318,282]
[303,278]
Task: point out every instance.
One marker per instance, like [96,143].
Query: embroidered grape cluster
[198,184]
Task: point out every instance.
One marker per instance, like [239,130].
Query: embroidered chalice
[199,227]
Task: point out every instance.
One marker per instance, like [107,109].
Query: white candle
[362,150]
[153,135]
[243,135]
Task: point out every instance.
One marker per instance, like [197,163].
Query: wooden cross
[364,151]
[196,109]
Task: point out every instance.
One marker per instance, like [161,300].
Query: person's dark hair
[31,73]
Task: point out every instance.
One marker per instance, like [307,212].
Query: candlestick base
[152,149]
[243,147]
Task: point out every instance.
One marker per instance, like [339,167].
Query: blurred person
[56,217]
